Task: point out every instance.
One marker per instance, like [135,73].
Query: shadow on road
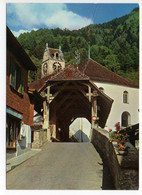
[107,182]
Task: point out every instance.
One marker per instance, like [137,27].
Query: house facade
[125,95]
[19,108]
[125,108]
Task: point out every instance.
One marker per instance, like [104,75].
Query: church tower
[53,61]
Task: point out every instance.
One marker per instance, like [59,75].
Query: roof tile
[99,73]
[68,73]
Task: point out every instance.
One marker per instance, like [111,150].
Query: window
[125,97]
[55,55]
[125,119]
[12,131]
[16,77]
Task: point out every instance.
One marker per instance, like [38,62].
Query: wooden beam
[89,94]
[79,88]
[52,85]
[51,97]
[63,100]
[48,94]
[66,107]
[82,98]
[94,109]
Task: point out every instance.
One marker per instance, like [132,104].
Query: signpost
[94,118]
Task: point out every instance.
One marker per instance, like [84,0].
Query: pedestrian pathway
[15,161]
[59,166]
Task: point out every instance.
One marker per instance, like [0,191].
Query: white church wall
[80,129]
[118,107]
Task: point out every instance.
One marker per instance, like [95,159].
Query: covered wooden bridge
[67,95]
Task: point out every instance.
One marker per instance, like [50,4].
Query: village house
[19,105]
[125,93]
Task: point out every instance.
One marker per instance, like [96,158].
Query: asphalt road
[59,166]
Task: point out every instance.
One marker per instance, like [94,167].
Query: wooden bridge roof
[71,85]
[68,73]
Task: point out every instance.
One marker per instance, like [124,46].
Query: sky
[24,17]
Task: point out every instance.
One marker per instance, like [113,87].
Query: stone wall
[39,138]
[123,168]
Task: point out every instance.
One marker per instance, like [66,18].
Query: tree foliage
[114,44]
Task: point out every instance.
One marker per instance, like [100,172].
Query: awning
[14,113]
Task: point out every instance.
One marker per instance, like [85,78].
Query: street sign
[94,118]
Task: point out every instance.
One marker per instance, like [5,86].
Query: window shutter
[13,74]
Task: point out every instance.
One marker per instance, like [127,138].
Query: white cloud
[32,15]
[68,19]
[17,33]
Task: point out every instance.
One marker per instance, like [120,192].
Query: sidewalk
[15,161]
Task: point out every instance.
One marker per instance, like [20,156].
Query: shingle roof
[39,83]
[68,73]
[99,73]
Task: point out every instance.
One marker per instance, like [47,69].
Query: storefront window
[12,131]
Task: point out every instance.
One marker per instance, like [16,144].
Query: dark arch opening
[125,119]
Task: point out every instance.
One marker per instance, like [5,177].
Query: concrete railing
[123,168]
[39,138]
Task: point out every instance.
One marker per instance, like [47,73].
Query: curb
[16,161]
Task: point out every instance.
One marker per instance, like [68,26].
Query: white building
[125,108]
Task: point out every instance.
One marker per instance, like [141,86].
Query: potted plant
[119,141]
[122,148]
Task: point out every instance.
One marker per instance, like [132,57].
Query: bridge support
[94,123]
[46,119]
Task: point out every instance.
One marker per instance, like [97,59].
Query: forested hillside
[114,44]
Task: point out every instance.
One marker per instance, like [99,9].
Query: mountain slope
[114,44]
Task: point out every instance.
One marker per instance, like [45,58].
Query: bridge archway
[80,129]
[69,104]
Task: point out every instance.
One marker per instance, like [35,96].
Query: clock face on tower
[45,68]
[57,66]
